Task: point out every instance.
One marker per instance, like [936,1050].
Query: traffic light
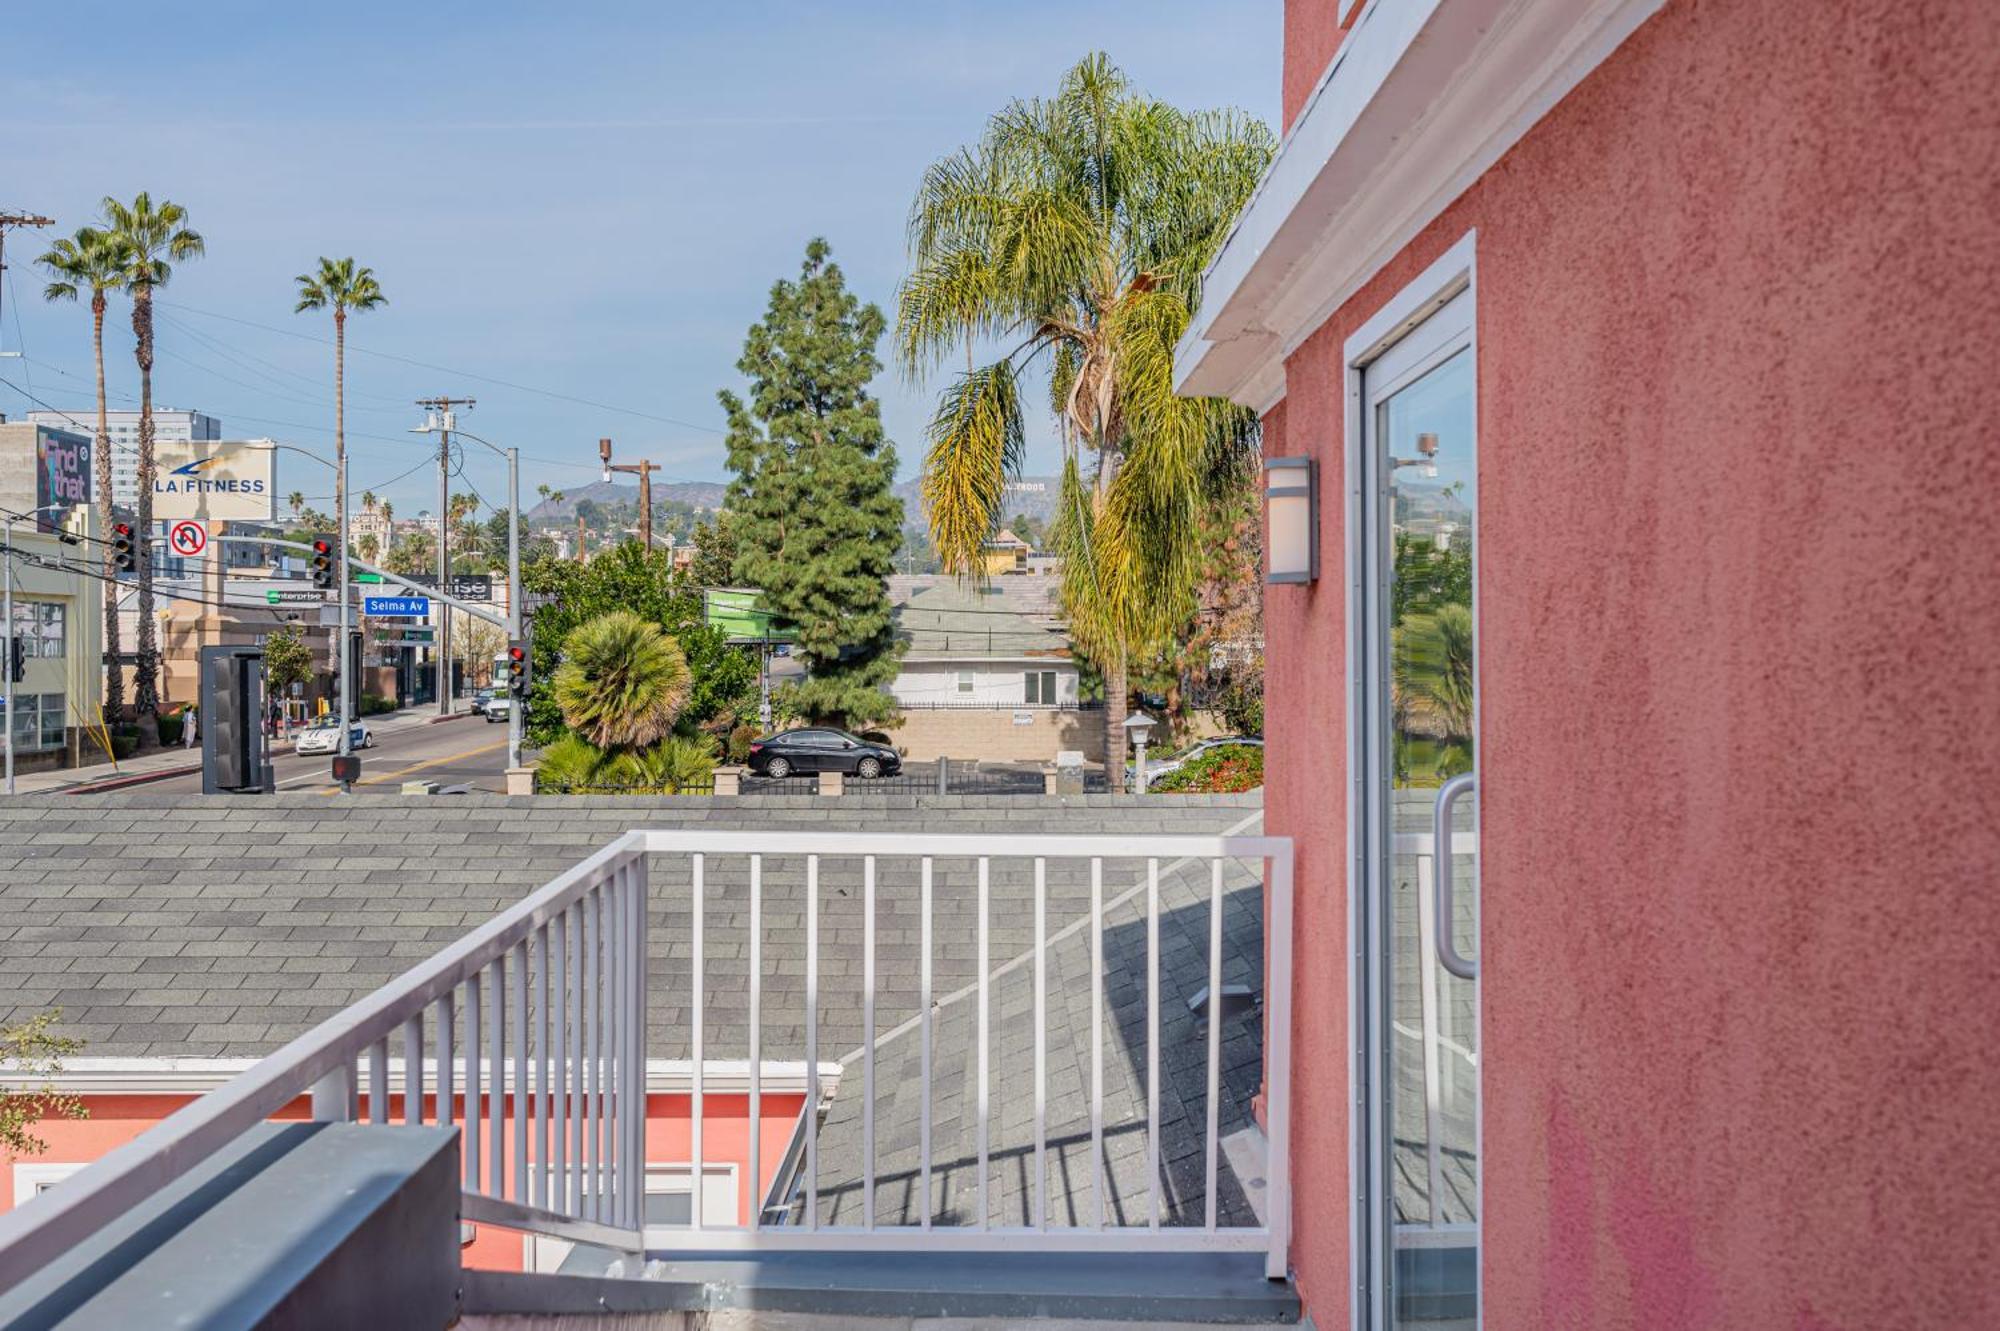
[322,563]
[517,669]
[124,549]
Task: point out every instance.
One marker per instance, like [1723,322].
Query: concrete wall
[967,732]
[1738,309]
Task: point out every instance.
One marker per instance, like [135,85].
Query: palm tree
[296,501]
[95,260]
[339,284]
[368,546]
[154,238]
[367,501]
[1079,226]
[622,681]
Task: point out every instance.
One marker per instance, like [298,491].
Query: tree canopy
[811,509]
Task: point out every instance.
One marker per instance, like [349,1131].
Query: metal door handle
[1465,968]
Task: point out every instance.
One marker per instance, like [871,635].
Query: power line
[463,374]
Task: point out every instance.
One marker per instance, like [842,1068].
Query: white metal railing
[1446,1046]
[551,997]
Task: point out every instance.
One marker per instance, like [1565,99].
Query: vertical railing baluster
[868,1042]
[1214,1033]
[473,1086]
[413,1070]
[524,1092]
[613,1070]
[757,1042]
[559,1193]
[590,1155]
[984,986]
[699,1052]
[378,1081]
[1097,1037]
[812,1042]
[496,1092]
[446,1111]
[1041,1042]
[635,1027]
[924,1006]
[1278,1063]
[541,1187]
[1153,1044]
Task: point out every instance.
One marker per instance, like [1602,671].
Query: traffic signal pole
[341,652]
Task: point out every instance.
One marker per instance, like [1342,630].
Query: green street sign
[368,577]
[286,596]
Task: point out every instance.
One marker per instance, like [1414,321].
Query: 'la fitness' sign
[62,475]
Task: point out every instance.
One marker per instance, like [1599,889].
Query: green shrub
[1227,770]
[374,704]
[124,741]
[172,726]
[740,739]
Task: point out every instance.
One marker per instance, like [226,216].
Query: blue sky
[586,199]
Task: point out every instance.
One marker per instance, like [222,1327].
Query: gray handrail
[1464,967]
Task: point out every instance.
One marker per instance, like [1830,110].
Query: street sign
[368,577]
[408,638]
[187,538]
[291,596]
[413,607]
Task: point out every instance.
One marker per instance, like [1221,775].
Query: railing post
[1278,1052]
[334,1095]
[634,1158]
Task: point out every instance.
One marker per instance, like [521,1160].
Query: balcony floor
[891,1291]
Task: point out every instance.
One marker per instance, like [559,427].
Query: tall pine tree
[815,521]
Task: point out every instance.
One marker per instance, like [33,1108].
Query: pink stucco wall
[113,1120]
[1739,353]
[1313,32]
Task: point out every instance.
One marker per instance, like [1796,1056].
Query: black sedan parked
[822,749]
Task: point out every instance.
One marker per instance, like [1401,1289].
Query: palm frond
[976,445]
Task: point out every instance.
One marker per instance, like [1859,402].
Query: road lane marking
[418,767]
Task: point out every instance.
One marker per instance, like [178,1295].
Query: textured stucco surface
[1738,318]
[1312,34]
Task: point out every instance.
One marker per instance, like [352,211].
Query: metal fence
[551,997]
[945,776]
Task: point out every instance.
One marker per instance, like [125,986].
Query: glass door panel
[1420,445]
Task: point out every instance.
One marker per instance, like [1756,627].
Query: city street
[467,751]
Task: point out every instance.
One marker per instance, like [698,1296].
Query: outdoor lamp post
[1137,727]
[1291,507]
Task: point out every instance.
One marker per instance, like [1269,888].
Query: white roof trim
[197,1076]
[1421,99]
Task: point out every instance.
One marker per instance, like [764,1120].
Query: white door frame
[1452,275]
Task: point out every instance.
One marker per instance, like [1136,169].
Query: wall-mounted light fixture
[1291,508]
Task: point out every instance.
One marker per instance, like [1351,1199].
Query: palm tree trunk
[114,673]
[146,700]
[1117,698]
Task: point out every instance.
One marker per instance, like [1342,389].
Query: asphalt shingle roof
[177,926]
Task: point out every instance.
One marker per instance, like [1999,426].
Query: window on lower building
[965,681]
[39,720]
[1041,687]
[41,626]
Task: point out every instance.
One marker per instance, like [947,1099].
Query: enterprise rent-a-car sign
[207,479]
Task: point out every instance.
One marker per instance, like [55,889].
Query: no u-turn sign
[187,538]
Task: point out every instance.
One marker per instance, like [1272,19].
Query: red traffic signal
[322,562]
[517,670]
[123,547]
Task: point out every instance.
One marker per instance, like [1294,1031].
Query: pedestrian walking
[190,731]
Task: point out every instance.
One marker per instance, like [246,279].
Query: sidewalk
[163,763]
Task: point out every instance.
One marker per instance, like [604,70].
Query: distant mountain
[625,494]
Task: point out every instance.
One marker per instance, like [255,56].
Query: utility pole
[443,406]
[579,540]
[644,470]
[8,222]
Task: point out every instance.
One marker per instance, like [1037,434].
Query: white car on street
[498,708]
[325,738]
